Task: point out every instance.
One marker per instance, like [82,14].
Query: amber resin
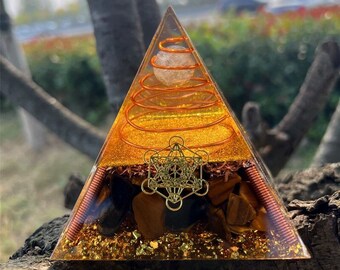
[177,178]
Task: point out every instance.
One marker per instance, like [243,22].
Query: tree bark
[278,144]
[119,44]
[310,184]
[66,125]
[329,149]
[150,18]
[317,222]
[35,133]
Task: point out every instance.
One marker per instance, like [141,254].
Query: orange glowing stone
[177,178]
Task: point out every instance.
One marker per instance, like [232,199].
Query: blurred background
[255,50]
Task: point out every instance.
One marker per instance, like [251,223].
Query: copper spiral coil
[79,216]
[149,95]
[271,206]
[174,40]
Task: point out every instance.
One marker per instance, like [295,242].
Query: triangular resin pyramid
[177,179]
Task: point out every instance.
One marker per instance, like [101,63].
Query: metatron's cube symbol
[174,178]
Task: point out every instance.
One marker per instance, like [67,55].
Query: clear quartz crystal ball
[172,59]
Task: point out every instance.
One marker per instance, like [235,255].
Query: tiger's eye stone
[239,211]
[260,222]
[149,212]
[217,222]
[220,188]
[248,194]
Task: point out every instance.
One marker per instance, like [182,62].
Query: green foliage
[75,82]
[70,73]
[265,59]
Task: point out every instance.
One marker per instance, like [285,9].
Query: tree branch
[329,148]
[23,92]
[313,95]
[314,92]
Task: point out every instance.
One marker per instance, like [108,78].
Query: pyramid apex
[170,9]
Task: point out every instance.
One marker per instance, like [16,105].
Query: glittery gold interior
[128,244]
[239,217]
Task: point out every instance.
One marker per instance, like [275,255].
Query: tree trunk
[329,149]
[120,45]
[35,133]
[150,18]
[65,124]
[317,222]
[278,144]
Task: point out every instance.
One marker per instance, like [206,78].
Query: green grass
[31,183]
[9,128]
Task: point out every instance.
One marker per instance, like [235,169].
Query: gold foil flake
[144,250]
[234,248]
[136,234]
[154,244]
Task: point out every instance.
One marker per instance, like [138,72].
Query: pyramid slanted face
[177,178]
[173,95]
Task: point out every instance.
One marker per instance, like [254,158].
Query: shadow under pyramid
[177,178]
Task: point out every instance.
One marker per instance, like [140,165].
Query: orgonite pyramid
[177,178]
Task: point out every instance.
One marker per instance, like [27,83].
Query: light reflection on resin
[204,196]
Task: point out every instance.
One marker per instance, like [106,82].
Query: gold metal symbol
[177,175]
